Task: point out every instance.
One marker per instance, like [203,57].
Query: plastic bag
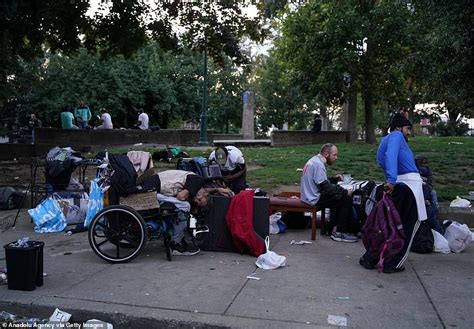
[274,218]
[48,216]
[96,201]
[270,260]
[459,236]
[440,243]
[460,202]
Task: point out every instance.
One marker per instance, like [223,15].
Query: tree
[323,41]
[446,61]
[29,27]
[279,99]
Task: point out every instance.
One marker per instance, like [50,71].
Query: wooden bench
[290,201]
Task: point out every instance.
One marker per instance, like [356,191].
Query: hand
[339,177]
[349,192]
[387,187]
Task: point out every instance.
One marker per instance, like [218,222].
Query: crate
[141,201]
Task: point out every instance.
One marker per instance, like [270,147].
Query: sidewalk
[211,289]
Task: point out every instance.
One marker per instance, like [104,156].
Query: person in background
[83,115]
[67,119]
[232,164]
[431,197]
[323,192]
[142,120]
[404,184]
[317,123]
[34,122]
[105,120]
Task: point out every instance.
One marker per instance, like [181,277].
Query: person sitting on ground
[83,115]
[404,184]
[67,119]
[105,120]
[142,120]
[232,164]
[323,192]
[430,195]
[187,188]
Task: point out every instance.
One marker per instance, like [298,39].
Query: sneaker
[343,237]
[178,249]
[365,263]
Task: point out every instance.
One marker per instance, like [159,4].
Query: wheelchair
[118,233]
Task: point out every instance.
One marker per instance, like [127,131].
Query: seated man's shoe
[367,263]
[179,249]
[343,237]
[390,270]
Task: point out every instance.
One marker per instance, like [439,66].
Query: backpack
[382,233]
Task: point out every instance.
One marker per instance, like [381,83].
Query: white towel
[414,182]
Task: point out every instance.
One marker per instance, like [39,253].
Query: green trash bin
[24,265]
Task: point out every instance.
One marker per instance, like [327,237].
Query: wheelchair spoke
[129,239]
[105,241]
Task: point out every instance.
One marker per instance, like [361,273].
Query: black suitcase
[219,237]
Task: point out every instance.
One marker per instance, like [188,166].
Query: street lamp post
[203,132]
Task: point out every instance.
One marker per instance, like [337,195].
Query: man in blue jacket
[404,184]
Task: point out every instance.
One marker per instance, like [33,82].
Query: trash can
[24,266]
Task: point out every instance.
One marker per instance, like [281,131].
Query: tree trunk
[369,119]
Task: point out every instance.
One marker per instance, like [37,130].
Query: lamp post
[203,132]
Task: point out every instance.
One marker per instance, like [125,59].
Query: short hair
[326,147]
[103,110]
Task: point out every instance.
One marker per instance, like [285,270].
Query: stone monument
[248,115]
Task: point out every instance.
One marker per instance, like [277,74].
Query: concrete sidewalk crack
[429,297]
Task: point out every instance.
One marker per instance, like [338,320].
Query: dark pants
[341,212]
[405,202]
[238,184]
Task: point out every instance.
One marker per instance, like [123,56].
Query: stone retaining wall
[303,137]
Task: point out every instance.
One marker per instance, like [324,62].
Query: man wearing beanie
[404,184]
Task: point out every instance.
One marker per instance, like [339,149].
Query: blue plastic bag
[96,201]
[48,216]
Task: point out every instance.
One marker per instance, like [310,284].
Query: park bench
[290,201]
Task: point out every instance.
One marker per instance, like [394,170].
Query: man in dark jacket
[319,190]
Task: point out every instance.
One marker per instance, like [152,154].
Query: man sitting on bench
[318,190]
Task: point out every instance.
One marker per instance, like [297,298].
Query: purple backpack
[382,233]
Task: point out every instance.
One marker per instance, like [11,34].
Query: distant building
[191,124]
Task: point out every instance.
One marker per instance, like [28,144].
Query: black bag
[295,220]
[423,241]
[359,199]
[10,198]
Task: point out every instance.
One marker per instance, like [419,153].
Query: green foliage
[167,85]
[279,99]
[323,41]
[446,59]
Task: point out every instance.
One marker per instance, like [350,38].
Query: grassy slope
[450,158]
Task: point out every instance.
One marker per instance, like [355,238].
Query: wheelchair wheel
[117,234]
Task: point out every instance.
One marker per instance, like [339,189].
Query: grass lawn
[451,160]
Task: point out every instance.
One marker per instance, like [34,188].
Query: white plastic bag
[440,243]
[460,202]
[270,260]
[459,236]
[274,228]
